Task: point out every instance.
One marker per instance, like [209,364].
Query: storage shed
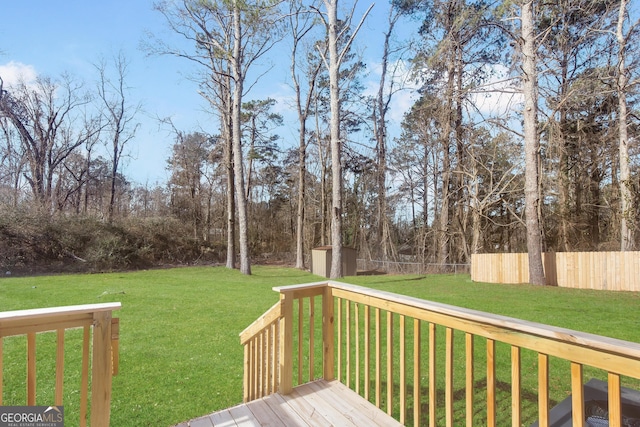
[321,261]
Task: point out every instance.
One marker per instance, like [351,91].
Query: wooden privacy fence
[613,271]
[428,363]
[103,362]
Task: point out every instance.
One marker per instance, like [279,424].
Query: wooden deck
[319,403]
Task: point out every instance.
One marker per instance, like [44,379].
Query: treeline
[449,183]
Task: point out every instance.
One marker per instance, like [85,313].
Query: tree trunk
[626,196]
[531,145]
[229,169]
[336,144]
[241,199]
[380,131]
[302,171]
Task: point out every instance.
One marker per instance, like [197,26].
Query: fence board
[614,271]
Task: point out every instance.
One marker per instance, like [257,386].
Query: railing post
[286,343]
[101,370]
[328,334]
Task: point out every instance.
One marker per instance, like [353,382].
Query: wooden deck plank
[351,405]
[243,416]
[305,409]
[316,404]
[222,419]
[360,404]
[286,413]
[263,412]
[322,406]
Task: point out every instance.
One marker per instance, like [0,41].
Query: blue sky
[55,36]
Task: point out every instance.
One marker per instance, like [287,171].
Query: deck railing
[401,353]
[103,362]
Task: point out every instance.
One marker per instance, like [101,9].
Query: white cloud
[14,72]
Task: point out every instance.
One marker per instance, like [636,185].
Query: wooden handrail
[364,317]
[104,361]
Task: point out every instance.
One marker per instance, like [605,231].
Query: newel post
[286,343]
[328,333]
[101,370]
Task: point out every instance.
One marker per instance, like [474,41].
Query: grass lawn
[180,355]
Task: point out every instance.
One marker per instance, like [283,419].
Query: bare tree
[301,24]
[46,117]
[119,116]
[386,90]
[333,62]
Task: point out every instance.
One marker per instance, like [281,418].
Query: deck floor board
[317,404]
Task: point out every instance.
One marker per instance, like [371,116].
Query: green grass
[180,355]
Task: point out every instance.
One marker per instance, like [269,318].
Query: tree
[229,37]
[119,116]
[572,50]
[46,117]
[257,122]
[301,24]
[189,155]
[627,224]
[386,90]
[333,63]
[531,142]
[459,47]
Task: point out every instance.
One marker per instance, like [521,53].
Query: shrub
[33,243]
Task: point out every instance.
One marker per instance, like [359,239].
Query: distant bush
[31,243]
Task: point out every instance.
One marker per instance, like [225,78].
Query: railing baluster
[246,396]
[356,314]
[340,332]
[348,344]
[543,390]
[448,401]
[417,351]
[263,363]
[389,362]
[276,360]
[257,362]
[84,386]
[312,323]
[615,402]
[378,360]
[268,342]
[300,338]
[254,368]
[367,351]
[516,398]
[1,367]
[59,367]
[433,392]
[255,345]
[577,392]
[273,355]
[470,377]
[403,373]
[31,369]
[491,383]
[115,345]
